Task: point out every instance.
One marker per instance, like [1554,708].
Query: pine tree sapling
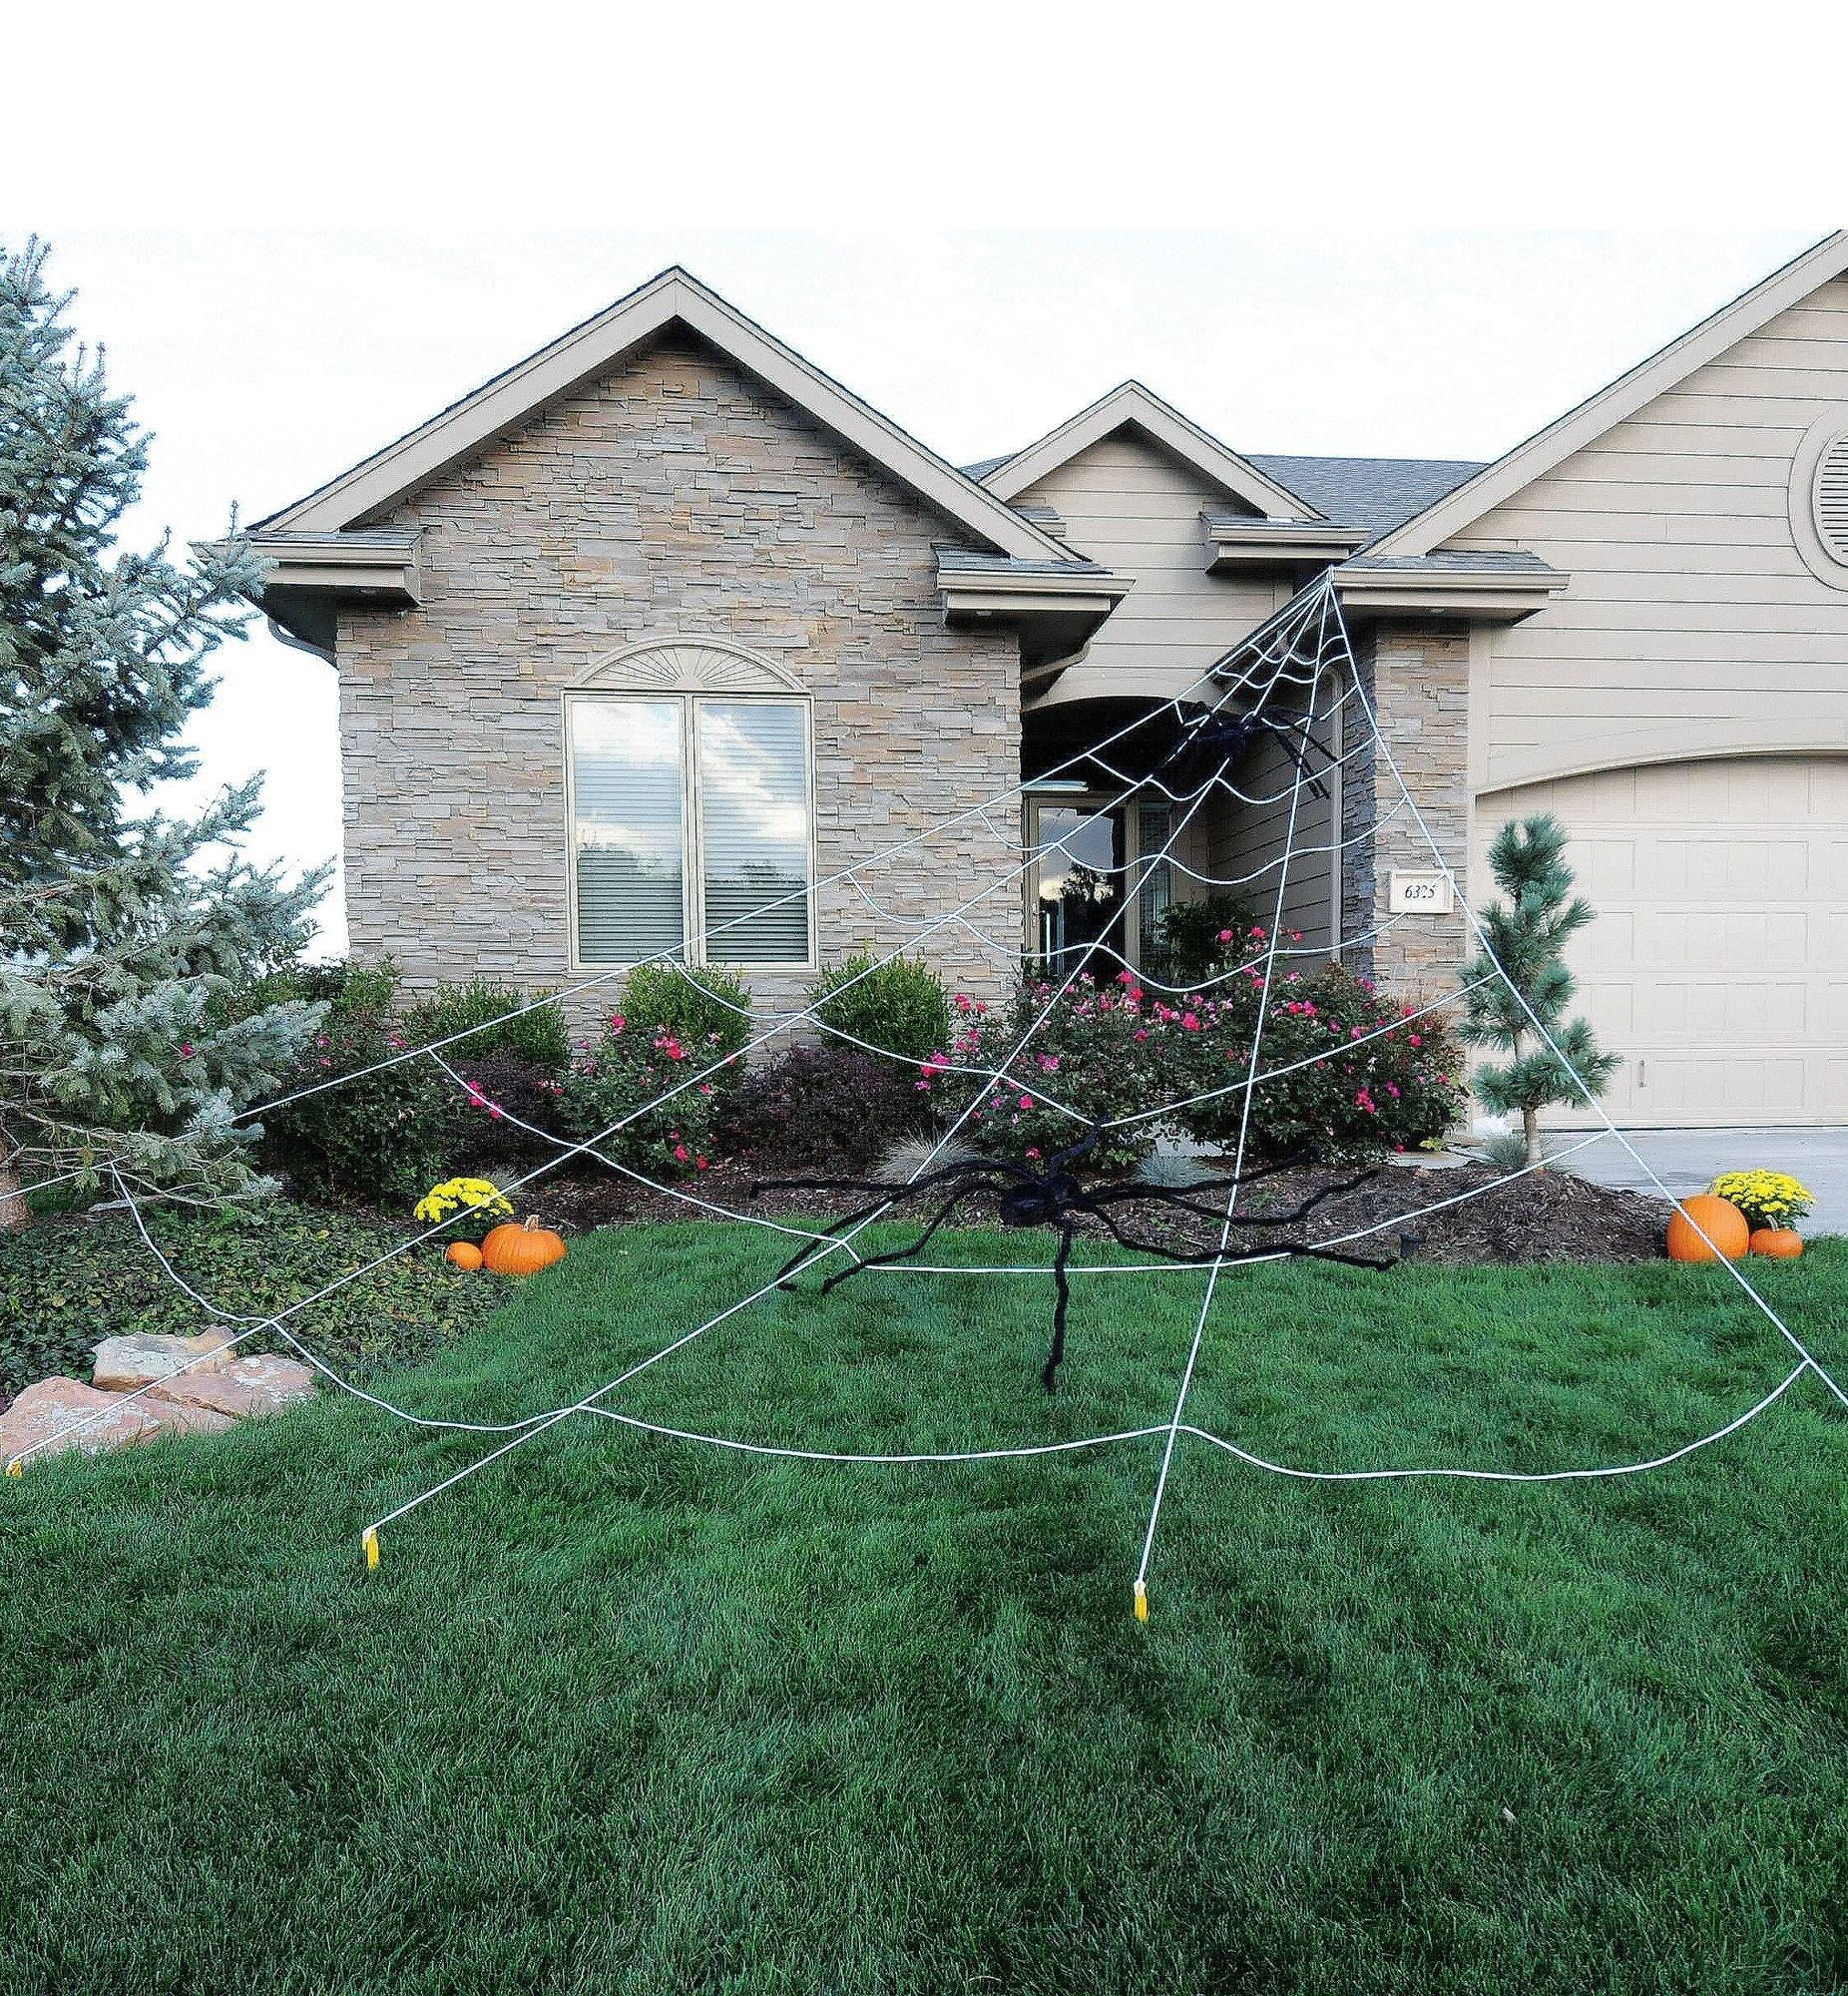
[123,937]
[1527,937]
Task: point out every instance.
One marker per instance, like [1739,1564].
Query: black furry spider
[1052,1194]
[1215,738]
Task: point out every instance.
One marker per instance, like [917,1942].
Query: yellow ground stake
[16,1467]
[370,1541]
[1142,1602]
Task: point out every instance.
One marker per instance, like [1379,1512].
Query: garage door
[1718,962]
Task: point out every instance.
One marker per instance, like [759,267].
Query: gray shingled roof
[1377,493]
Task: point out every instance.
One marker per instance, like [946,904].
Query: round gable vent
[1819,498]
[1829,497]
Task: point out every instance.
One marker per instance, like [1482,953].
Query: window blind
[628,834]
[753,760]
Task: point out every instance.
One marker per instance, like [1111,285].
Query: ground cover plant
[622,1714]
[73,1280]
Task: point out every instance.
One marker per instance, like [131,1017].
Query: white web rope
[1275,651]
[1273,645]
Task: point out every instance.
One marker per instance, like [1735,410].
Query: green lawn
[626,1715]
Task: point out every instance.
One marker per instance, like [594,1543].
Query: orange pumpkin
[1783,1244]
[1718,1219]
[507,1230]
[464,1254]
[522,1250]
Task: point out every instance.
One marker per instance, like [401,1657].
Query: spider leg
[1049,1372]
[905,1253]
[889,1195]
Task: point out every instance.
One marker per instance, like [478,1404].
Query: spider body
[1224,739]
[1050,1193]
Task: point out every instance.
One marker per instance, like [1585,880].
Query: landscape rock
[235,1388]
[123,1364]
[46,1408]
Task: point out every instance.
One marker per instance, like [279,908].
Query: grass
[623,1714]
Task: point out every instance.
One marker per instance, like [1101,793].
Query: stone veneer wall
[677,498]
[1417,678]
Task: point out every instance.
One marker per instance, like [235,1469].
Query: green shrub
[900,1006]
[499,1025]
[701,1009]
[1194,940]
[384,1137]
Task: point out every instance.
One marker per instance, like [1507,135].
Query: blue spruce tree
[126,936]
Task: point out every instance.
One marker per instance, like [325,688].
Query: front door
[1077,882]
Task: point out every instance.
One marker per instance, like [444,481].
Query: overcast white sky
[297,245]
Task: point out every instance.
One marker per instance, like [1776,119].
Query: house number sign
[1417,893]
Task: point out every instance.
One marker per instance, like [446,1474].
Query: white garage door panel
[1718,962]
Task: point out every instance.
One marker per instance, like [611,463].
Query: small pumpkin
[1781,1243]
[1718,1219]
[522,1249]
[464,1254]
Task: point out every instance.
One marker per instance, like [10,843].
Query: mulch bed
[1543,1216]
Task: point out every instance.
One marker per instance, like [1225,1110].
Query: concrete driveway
[1687,1161]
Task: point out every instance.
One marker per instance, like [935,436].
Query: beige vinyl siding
[1246,836]
[1130,505]
[1693,626]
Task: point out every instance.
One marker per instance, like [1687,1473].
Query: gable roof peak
[1663,370]
[1133,402]
[360,496]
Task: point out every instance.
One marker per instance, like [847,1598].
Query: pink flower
[700,1163]
[1418,1038]
[186,1049]
[679,1151]
[1226,936]
[1049,1063]
[1026,1102]
[616,1022]
[1190,1021]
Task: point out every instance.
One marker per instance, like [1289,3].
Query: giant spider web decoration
[1294,685]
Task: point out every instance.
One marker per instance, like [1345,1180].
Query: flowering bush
[630,1067]
[1767,1199]
[1095,1054]
[473,1204]
[1352,1075]
[1194,940]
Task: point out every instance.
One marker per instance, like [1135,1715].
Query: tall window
[690,828]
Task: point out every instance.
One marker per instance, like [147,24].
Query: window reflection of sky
[627,782]
[1073,841]
[751,774]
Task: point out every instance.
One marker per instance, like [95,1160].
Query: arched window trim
[691,672]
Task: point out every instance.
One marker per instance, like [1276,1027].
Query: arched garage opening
[1718,962]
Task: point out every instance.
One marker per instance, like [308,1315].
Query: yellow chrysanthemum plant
[1767,1199]
[474,1205]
